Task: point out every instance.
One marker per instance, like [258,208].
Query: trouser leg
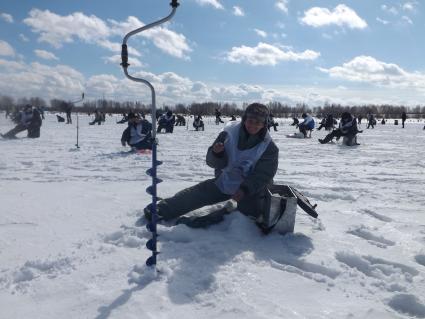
[18,128]
[189,199]
[330,136]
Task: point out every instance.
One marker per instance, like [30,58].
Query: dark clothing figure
[232,118]
[295,122]
[307,125]
[245,160]
[403,118]
[30,120]
[272,123]
[328,123]
[347,127]
[383,122]
[181,121]
[68,111]
[371,121]
[218,119]
[124,119]
[198,124]
[97,118]
[166,121]
[359,119]
[61,119]
[138,134]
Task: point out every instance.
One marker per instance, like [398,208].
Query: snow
[69,247]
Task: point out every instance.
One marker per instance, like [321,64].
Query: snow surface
[69,247]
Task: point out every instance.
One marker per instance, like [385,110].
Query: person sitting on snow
[198,124]
[245,160]
[30,120]
[347,127]
[166,121]
[295,122]
[97,118]
[138,134]
[307,125]
[181,121]
[272,123]
[327,123]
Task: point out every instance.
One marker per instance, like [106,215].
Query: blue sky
[293,51]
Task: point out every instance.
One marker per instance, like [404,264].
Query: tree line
[278,109]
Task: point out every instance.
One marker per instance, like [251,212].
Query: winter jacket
[265,168]
[136,132]
[308,123]
[348,126]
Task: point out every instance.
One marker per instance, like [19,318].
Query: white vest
[136,134]
[240,162]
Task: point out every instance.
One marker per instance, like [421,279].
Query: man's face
[253,125]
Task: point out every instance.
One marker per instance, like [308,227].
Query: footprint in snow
[371,238]
[420,259]
[407,304]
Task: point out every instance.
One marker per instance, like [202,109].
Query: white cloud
[266,54]
[410,6]
[406,19]
[23,37]
[57,30]
[23,80]
[168,41]
[6,49]
[214,3]
[237,11]
[261,33]
[282,5]
[6,17]
[384,22]
[36,79]
[368,69]
[45,55]
[342,15]
[391,10]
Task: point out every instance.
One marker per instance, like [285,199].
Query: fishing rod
[151,190]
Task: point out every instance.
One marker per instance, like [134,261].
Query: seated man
[98,118]
[181,121]
[245,160]
[307,125]
[123,120]
[166,121]
[138,134]
[272,123]
[295,122]
[347,127]
[327,123]
[30,120]
[198,124]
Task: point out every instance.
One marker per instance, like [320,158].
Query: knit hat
[257,111]
[131,115]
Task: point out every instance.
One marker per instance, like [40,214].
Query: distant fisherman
[138,134]
[30,120]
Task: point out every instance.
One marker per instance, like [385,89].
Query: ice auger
[151,190]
